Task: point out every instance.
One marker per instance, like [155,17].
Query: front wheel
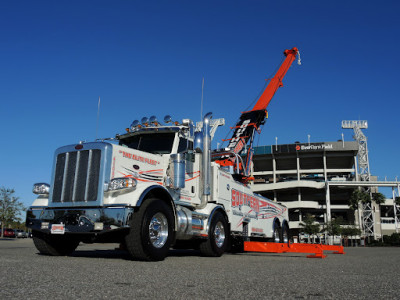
[218,236]
[151,232]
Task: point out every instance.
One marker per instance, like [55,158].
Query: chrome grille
[77,176]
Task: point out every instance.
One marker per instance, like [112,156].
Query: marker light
[167,119]
[44,225]
[145,121]
[134,125]
[153,120]
[41,188]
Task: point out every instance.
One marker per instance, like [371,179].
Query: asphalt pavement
[98,271]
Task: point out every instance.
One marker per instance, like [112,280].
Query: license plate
[57,229]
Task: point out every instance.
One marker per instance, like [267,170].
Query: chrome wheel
[285,235]
[158,230]
[151,231]
[277,237]
[219,234]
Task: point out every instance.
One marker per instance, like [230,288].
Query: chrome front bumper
[79,220]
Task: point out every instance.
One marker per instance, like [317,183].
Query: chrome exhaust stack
[203,143]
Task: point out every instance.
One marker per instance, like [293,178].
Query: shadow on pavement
[111,254]
[122,254]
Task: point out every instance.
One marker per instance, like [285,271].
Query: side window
[183,143]
[186,146]
[190,157]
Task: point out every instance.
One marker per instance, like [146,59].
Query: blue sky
[149,57]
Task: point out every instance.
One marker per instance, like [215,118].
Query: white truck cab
[150,189]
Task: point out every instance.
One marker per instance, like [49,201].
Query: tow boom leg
[317,249]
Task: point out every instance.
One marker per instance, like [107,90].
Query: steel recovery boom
[250,121]
[276,81]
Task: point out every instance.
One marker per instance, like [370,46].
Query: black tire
[54,245]
[218,236]
[285,234]
[151,231]
[237,244]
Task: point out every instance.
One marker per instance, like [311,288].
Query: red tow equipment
[317,249]
[276,81]
[250,121]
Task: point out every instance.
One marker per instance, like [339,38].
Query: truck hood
[145,167]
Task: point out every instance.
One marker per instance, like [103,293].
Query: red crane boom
[250,121]
[276,81]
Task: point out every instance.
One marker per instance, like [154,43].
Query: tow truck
[159,185]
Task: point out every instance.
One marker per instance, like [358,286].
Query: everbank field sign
[314,147]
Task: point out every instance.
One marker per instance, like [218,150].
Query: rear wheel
[151,232]
[285,234]
[218,236]
[277,234]
[54,245]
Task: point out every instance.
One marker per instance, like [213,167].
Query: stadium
[318,179]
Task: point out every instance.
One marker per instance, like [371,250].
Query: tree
[309,226]
[355,199]
[394,239]
[346,232]
[379,198]
[10,207]
[365,197]
[351,232]
[359,196]
[333,227]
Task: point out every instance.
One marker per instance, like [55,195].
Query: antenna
[201,106]
[98,114]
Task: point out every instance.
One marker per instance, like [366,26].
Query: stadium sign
[314,147]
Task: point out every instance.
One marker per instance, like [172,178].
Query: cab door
[191,191]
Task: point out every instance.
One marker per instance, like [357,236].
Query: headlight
[41,188]
[121,183]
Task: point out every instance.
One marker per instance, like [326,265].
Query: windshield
[158,143]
